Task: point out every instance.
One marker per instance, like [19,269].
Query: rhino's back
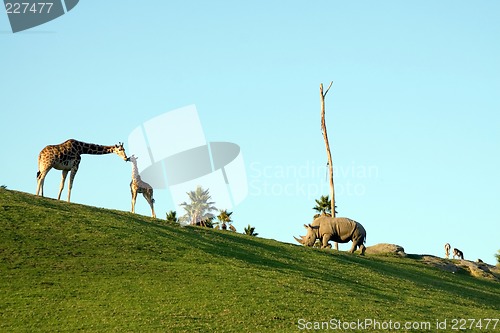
[344,221]
[328,220]
[344,227]
[336,225]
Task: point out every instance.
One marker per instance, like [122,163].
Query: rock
[445,265]
[384,248]
[476,269]
[480,269]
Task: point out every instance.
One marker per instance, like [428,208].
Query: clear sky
[413,115]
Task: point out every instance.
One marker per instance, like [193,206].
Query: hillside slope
[69,267]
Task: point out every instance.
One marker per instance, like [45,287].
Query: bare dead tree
[322,96]
[327,144]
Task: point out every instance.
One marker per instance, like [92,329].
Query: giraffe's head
[120,151]
[132,159]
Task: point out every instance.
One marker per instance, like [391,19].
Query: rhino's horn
[301,241]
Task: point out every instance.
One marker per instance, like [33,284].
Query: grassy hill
[69,267]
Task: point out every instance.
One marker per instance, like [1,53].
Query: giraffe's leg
[71,178]
[41,184]
[63,179]
[152,205]
[41,180]
[148,195]
[152,208]
[134,197]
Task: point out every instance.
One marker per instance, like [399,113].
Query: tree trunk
[327,144]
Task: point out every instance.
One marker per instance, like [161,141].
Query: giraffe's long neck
[135,171]
[93,149]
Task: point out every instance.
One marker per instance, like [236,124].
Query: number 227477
[28,8]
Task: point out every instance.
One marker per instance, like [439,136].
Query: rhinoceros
[337,229]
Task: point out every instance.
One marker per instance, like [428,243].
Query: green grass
[69,267]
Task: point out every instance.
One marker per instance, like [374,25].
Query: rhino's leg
[354,246]
[362,248]
[326,239]
[358,243]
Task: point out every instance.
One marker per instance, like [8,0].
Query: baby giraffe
[137,185]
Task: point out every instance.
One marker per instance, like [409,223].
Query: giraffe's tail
[38,174]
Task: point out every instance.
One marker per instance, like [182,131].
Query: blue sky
[413,115]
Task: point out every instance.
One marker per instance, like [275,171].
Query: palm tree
[323,206]
[200,207]
[172,217]
[498,258]
[224,217]
[250,231]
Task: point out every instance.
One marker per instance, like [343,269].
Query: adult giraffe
[66,157]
